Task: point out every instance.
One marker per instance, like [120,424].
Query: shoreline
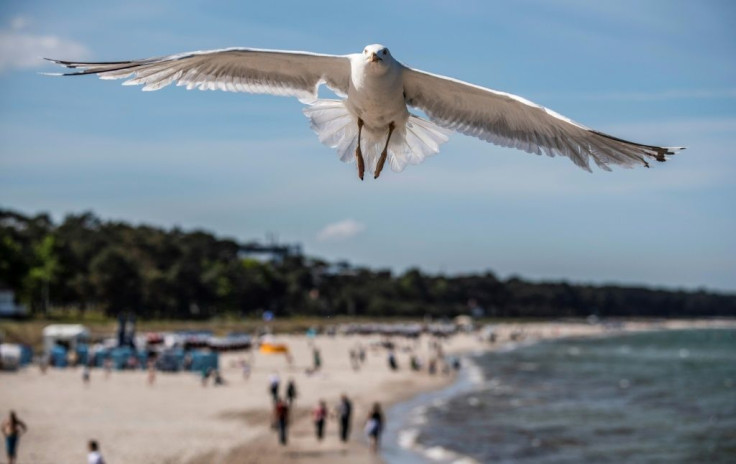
[402,448]
[179,421]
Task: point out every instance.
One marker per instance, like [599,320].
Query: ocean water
[653,397]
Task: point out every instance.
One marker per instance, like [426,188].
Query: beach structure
[232,342]
[13,356]
[68,336]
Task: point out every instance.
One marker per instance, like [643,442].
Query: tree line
[87,263]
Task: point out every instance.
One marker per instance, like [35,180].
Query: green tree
[42,274]
[117,281]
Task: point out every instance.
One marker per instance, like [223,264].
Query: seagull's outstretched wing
[511,121]
[276,72]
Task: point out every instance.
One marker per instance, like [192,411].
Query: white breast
[376,97]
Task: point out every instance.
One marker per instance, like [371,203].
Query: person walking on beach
[354,362]
[344,413]
[85,375]
[108,367]
[320,416]
[245,367]
[374,427]
[206,375]
[291,392]
[281,419]
[361,353]
[13,428]
[151,372]
[317,359]
[94,456]
[273,386]
[392,361]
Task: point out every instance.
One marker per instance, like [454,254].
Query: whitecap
[465,460]
[408,438]
[439,453]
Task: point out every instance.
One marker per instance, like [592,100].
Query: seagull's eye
[385,51]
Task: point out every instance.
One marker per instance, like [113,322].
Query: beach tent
[123,355]
[26,355]
[10,356]
[204,360]
[83,356]
[100,354]
[57,355]
[170,360]
[67,335]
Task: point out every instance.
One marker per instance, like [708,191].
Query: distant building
[8,305]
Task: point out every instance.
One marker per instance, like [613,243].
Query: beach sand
[177,420]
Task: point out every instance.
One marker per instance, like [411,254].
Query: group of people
[374,424]
[281,405]
[273,387]
[343,413]
[13,428]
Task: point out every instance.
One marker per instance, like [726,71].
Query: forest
[86,263]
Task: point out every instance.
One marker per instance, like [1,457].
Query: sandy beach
[177,420]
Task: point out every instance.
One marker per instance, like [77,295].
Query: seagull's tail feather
[337,128]
[419,139]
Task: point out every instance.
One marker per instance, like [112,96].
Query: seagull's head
[377,57]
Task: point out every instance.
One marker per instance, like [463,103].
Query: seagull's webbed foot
[384,153]
[359,153]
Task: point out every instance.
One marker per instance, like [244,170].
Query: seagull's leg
[384,153]
[358,153]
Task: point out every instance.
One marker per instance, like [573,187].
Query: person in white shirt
[94,456]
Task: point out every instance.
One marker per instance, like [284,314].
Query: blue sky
[239,165]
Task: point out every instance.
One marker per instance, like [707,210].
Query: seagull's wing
[276,72]
[511,121]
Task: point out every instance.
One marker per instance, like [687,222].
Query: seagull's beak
[375,58]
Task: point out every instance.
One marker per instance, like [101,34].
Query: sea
[648,397]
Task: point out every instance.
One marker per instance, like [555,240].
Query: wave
[408,437]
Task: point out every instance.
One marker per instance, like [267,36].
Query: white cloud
[341,230]
[23,50]
[19,22]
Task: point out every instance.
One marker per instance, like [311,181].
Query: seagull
[371,122]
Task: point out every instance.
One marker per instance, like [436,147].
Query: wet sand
[177,420]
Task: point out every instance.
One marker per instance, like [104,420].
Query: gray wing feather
[511,121]
[275,72]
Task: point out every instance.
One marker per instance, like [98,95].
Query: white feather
[337,128]
[512,121]
[273,72]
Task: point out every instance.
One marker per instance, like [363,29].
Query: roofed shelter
[68,335]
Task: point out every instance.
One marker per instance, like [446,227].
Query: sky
[246,166]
